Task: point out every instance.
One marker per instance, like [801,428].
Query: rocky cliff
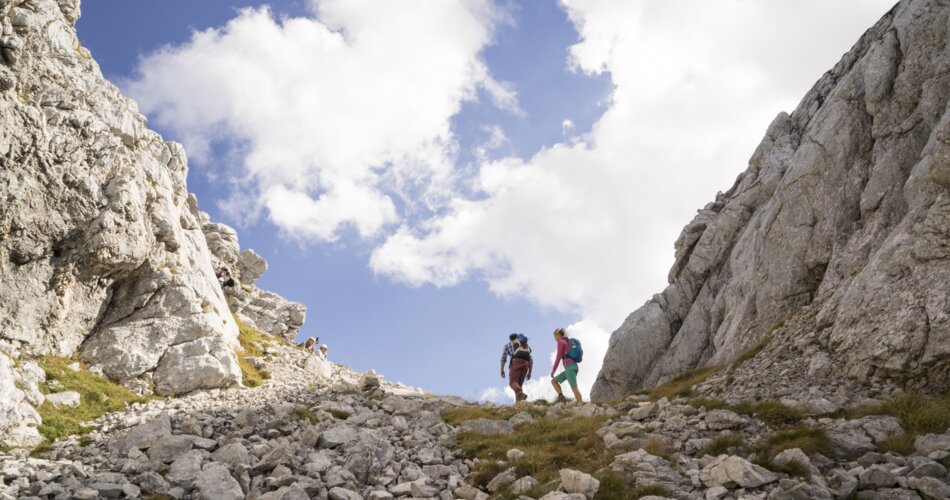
[836,236]
[102,250]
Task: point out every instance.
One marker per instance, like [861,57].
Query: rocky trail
[304,434]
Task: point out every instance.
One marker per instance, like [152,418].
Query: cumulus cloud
[589,225]
[344,119]
[334,115]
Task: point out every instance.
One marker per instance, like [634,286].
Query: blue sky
[427,184]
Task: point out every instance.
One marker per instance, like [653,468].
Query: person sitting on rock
[224,277]
[308,345]
[323,352]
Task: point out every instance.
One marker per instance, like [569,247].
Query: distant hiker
[323,351]
[569,353]
[520,366]
[224,277]
[308,345]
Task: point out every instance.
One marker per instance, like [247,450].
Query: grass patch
[772,413]
[709,404]
[98,396]
[549,445]
[42,448]
[455,416]
[902,444]
[301,413]
[722,444]
[792,468]
[810,440]
[753,351]
[339,414]
[657,447]
[252,342]
[917,413]
[682,385]
[484,471]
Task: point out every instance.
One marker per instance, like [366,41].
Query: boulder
[930,443]
[216,483]
[733,472]
[579,482]
[502,480]
[68,399]
[142,436]
[718,420]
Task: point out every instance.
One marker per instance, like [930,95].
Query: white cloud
[589,225]
[567,126]
[331,116]
[334,117]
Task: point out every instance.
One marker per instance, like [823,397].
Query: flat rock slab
[488,426]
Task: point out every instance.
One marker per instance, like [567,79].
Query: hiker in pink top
[570,368]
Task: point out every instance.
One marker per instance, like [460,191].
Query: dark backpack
[576,352]
[523,339]
[521,351]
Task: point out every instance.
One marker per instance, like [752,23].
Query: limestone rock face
[99,250]
[840,226]
[260,309]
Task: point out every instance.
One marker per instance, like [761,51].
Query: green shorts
[569,374]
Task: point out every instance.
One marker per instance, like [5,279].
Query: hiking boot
[560,399]
[522,397]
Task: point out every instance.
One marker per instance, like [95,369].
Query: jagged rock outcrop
[260,309]
[99,250]
[102,251]
[840,224]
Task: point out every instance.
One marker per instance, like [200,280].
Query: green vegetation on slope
[918,414]
[253,342]
[98,396]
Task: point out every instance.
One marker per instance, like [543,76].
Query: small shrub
[682,385]
[722,444]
